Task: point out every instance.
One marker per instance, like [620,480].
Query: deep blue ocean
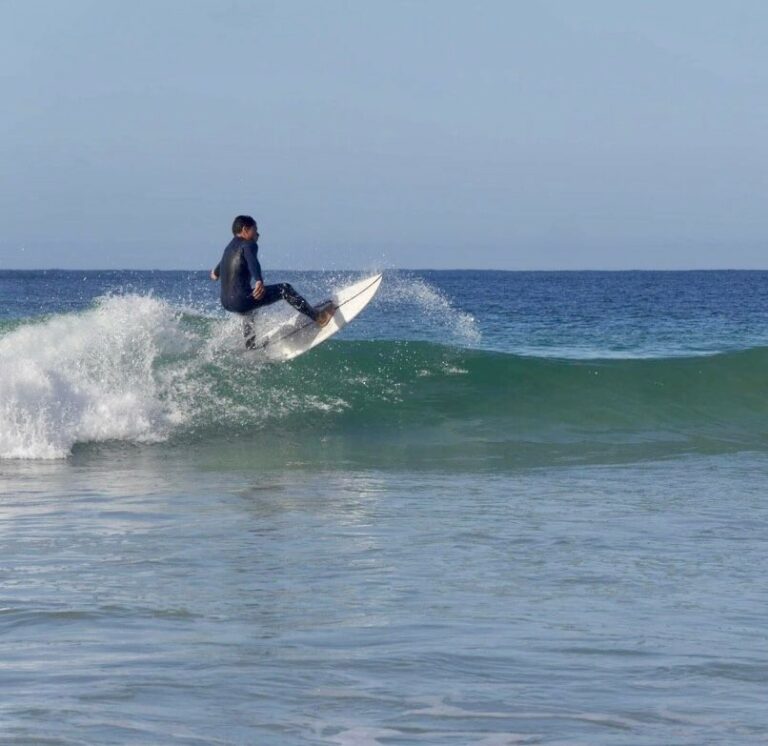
[498,508]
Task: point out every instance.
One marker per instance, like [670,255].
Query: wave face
[137,369]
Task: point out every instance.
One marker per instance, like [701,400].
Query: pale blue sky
[547,134]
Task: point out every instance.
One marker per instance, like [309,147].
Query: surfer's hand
[258,290]
[214,276]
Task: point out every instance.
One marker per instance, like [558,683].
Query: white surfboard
[300,334]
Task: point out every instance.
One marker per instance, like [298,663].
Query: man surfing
[239,266]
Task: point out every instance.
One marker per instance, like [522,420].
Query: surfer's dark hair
[241,222]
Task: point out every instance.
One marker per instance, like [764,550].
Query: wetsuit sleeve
[217,270]
[250,254]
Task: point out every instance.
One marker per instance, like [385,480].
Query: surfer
[239,266]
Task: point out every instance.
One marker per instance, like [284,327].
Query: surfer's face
[250,234]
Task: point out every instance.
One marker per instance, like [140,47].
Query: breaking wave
[138,369]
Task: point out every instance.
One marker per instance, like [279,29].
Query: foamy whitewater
[498,508]
[86,377]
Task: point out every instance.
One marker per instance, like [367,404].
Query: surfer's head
[244,226]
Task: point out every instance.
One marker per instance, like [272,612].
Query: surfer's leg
[284,291]
[249,331]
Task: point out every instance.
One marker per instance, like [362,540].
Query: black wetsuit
[238,265]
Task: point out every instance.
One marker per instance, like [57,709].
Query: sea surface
[499,508]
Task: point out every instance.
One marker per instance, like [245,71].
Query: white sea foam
[363,736]
[86,377]
[133,368]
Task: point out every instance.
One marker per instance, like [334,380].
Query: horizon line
[398,269]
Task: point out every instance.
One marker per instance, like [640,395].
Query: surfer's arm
[249,252]
[216,271]
[251,258]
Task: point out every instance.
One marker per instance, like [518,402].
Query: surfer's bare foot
[325,314]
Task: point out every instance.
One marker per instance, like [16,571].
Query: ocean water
[499,508]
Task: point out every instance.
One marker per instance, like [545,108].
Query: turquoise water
[500,508]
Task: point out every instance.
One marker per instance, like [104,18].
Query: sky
[362,134]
